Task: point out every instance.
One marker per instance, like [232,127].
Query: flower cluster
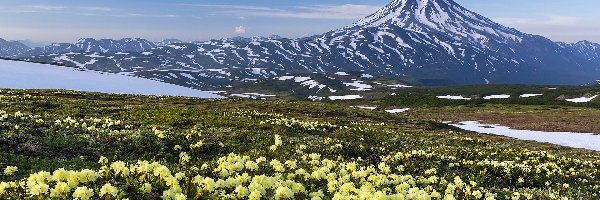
[10,170]
[278,143]
[307,176]
[169,152]
[304,125]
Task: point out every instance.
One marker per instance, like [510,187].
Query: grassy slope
[46,130]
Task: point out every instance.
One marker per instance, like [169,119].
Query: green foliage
[427,96]
[358,152]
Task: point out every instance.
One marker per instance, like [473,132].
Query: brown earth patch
[539,118]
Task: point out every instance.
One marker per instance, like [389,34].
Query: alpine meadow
[419,100]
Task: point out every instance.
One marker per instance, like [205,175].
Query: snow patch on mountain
[306,82]
[359,86]
[24,75]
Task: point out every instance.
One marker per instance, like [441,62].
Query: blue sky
[68,20]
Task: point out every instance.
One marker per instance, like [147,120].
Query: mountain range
[423,42]
[12,48]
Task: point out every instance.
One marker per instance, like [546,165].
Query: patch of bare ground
[539,118]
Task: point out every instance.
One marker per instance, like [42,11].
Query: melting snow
[301,79]
[304,81]
[175,47]
[24,75]
[359,86]
[261,95]
[285,78]
[342,74]
[501,96]
[399,86]
[217,92]
[576,140]
[189,76]
[367,107]
[530,95]
[316,98]
[346,97]
[453,97]
[582,99]
[257,71]
[241,95]
[394,111]
[252,95]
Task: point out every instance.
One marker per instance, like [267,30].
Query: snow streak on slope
[24,75]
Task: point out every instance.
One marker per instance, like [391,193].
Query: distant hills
[12,48]
[93,45]
[423,42]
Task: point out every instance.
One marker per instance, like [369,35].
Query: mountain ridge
[93,45]
[12,48]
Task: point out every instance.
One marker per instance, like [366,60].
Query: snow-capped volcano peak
[442,16]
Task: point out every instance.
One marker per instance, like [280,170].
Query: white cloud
[231,7]
[151,15]
[512,21]
[556,27]
[240,30]
[542,20]
[563,20]
[342,11]
[94,8]
[84,10]
[137,15]
[45,7]
[36,9]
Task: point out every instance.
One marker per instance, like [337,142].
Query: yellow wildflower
[108,189]
[254,195]
[60,190]
[39,189]
[83,193]
[283,192]
[241,191]
[10,170]
[103,160]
